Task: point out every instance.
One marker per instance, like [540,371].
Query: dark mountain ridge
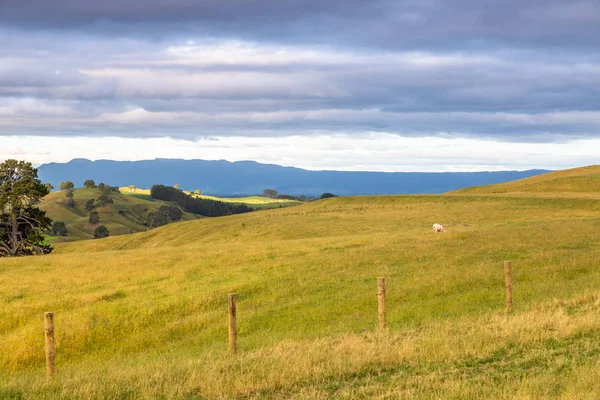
[225,178]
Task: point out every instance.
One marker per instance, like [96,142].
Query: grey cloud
[381,23]
[507,71]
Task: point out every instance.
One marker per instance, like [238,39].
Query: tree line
[206,207]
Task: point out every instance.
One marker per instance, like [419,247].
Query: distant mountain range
[224,178]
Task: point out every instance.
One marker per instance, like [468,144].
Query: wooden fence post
[232,324]
[508,285]
[381,302]
[49,336]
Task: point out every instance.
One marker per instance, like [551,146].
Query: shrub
[101,232]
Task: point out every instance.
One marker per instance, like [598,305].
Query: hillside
[127,214]
[576,180]
[243,178]
[147,312]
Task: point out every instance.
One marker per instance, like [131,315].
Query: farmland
[148,312]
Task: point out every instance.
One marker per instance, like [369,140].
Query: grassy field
[145,315]
[576,181]
[255,202]
[126,215]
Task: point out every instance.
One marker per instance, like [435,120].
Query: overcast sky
[424,85]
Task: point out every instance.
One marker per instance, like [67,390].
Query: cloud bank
[509,72]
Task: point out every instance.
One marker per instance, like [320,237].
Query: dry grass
[144,315]
[584,180]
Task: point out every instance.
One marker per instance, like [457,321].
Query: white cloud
[367,152]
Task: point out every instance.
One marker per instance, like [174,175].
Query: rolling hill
[127,214]
[571,181]
[148,312]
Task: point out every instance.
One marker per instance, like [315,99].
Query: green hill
[127,214]
[576,181]
[144,316]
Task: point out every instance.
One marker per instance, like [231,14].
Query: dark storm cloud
[379,23]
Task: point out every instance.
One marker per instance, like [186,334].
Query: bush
[94,217]
[89,205]
[66,185]
[59,229]
[103,200]
[101,232]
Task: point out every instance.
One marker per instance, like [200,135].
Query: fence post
[49,336]
[232,323]
[381,302]
[508,285]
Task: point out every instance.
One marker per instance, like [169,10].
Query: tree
[101,186]
[198,192]
[270,193]
[327,195]
[89,205]
[209,208]
[59,229]
[101,232]
[21,224]
[70,201]
[66,185]
[176,186]
[49,186]
[103,200]
[132,188]
[90,184]
[94,217]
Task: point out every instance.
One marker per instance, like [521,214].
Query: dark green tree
[66,185]
[101,232]
[94,217]
[49,186]
[327,195]
[59,229]
[89,205]
[103,200]
[101,186]
[90,184]
[21,224]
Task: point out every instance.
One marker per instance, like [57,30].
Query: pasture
[145,315]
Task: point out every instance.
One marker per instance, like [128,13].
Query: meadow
[145,315]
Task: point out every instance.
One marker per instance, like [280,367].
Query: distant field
[144,315]
[256,202]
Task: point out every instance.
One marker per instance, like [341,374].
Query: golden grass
[583,180]
[144,315]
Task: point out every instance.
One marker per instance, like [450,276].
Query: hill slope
[224,178]
[127,214]
[576,180]
[147,312]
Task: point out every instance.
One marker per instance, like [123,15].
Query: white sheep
[438,228]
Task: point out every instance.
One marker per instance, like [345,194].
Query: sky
[380,85]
